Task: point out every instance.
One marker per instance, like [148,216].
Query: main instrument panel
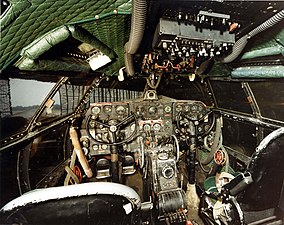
[137,118]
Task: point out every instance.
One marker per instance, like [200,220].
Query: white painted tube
[79,152]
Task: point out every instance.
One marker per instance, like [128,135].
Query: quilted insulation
[26,21]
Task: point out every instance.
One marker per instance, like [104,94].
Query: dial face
[186,108]
[168,109]
[152,110]
[157,127]
[140,109]
[107,109]
[168,172]
[104,147]
[194,107]
[147,127]
[95,147]
[96,110]
[120,110]
[179,108]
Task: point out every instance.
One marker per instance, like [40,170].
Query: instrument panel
[156,118]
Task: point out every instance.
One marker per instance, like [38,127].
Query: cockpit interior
[142,112]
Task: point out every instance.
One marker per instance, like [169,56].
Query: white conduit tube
[79,152]
[142,153]
[177,146]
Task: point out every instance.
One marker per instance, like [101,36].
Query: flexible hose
[241,43]
[216,143]
[138,20]
[128,60]
[237,49]
[268,23]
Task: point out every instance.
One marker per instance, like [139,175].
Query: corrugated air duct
[138,19]
[241,43]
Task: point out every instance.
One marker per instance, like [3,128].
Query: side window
[270,98]
[230,95]
[25,98]
[27,95]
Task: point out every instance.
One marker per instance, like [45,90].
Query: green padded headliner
[24,21]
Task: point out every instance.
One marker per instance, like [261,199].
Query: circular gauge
[194,107]
[96,110]
[104,147]
[140,110]
[95,147]
[152,110]
[120,110]
[186,108]
[157,127]
[179,108]
[168,109]
[168,172]
[107,109]
[147,127]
